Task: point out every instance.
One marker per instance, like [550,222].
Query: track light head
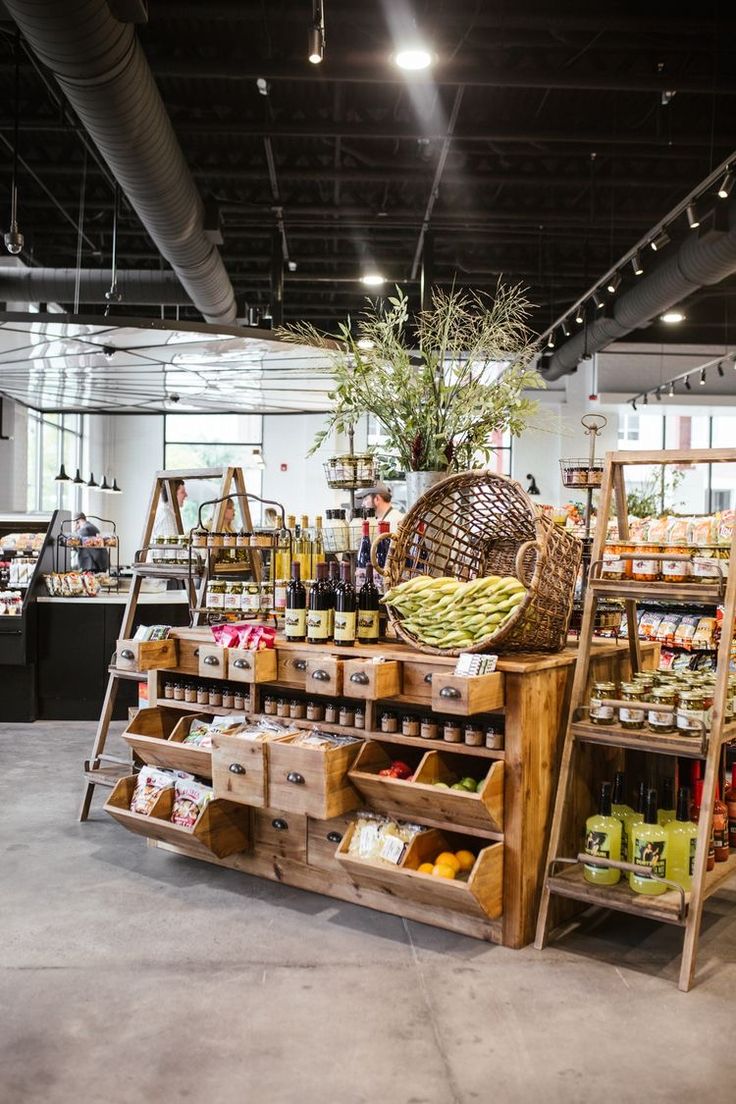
[637,265]
[659,241]
[14,240]
[657,394]
[726,186]
[701,381]
[645,400]
[551,340]
[720,368]
[565,328]
[614,283]
[693,218]
[688,385]
[599,302]
[579,316]
[672,388]
[633,404]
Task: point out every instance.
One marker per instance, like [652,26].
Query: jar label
[345,625]
[215,600]
[687,720]
[600,712]
[704,567]
[280,598]
[232,602]
[632,715]
[368,625]
[676,567]
[613,564]
[295,622]
[318,624]
[644,567]
[656,718]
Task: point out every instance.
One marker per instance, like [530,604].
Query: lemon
[465,859]
[446,858]
[441,870]
[425,868]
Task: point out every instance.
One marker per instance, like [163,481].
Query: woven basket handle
[376,541]
[523,549]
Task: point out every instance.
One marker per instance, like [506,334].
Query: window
[53,440]
[215,441]
[628,429]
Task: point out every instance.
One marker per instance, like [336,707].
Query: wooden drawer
[248,666]
[188,662]
[222,827]
[279,835]
[212,661]
[156,736]
[323,837]
[311,780]
[240,770]
[363,679]
[417,681]
[291,667]
[460,694]
[143,655]
[323,675]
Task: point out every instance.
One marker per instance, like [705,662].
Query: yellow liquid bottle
[305,550]
[667,811]
[682,839]
[318,547]
[649,850]
[282,564]
[620,809]
[603,839]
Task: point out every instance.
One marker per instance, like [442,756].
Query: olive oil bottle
[603,839]
[620,809]
[682,839]
[650,850]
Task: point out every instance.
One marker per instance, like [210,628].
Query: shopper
[228,523]
[165,522]
[90,559]
[379,497]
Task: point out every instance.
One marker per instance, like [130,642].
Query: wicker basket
[479,523]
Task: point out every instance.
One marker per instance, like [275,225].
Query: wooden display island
[286,813]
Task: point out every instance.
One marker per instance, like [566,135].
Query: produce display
[447,613]
[378,838]
[449,864]
[465,785]
[190,796]
[72,584]
[201,731]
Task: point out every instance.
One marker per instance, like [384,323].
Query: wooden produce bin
[156,736]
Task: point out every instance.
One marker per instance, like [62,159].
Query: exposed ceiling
[567,143]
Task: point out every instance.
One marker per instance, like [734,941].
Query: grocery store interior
[367,550]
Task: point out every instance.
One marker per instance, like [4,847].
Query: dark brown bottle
[346,609]
[295,615]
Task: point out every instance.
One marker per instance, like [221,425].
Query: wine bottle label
[368,625]
[359,577]
[345,625]
[720,835]
[732,832]
[295,622]
[691,864]
[318,624]
[598,844]
[651,853]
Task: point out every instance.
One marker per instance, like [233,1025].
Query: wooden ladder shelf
[564,872]
[102,769]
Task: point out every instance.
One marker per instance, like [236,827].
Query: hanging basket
[476,524]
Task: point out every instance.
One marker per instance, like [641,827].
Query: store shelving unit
[684,909]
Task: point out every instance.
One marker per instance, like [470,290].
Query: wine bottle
[682,839]
[305,549]
[730,799]
[720,828]
[320,603]
[364,555]
[620,809]
[346,607]
[667,811]
[384,527]
[603,838]
[318,546]
[368,619]
[649,850]
[282,565]
[695,817]
[295,616]
[333,582]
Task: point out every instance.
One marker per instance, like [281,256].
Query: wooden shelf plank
[107,776]
[135,676]
[720,873]
[637,740]
[436,745]
[697,593]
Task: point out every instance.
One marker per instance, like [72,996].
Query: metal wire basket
[351,472]
[582,472]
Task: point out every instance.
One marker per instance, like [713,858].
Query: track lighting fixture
[372,279]
[687,383]
[565,328]
[646,398]
[637,265]
[551,340]
[701,381]
[726,185]
[263,86]
[579,316]
[672,388]
[62,477]
[92,482]
[660,241]
[657,394]
[13,238]
[720,368]
[317,33]
[599,303]
[613,284]
[77,480]
[672,317]
[633,404]
[693,219]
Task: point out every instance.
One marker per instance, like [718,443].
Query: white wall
[301,488]
[13,457]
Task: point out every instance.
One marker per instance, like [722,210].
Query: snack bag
[704,637]
[677,530]
[150,784]
[190,798]
[199,734]
[667,628]
[649,624]
[686,631]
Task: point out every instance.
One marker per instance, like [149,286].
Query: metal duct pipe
[140,286]
[103,72]
[700,261]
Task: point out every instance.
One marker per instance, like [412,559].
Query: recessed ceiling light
[672,317]
[373,279]
[413,58]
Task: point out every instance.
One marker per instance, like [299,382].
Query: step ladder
[574,800]
[102,769]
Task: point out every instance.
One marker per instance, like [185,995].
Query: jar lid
[604,685]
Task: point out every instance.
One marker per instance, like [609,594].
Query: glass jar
[266,598]
[215,599]
[202,695]
[452,732]
[242,540]
[215,540]
[214,695]
[315,711]
[251,598]
[346,716]
[690,712]
[190,693]
[410,725]
[297,709]
[629,717]
[178,691]
[494,739]
[168,689]
[644,570]
[359,716]
[677,571]
[389,722]
[429,729]
[474,735]
[279,596]
[229,540]
[228,697]
[199,538]
[645,681]
[270,705]
[239,699]
[332,713]
[602,714]
[233,597]
[612,567]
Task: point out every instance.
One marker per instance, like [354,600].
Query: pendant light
[115,489]
[62,477]
[104,485]
[14,240]
[78,479]
[92,483]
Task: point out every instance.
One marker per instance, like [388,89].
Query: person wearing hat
[89,559]
[379,497]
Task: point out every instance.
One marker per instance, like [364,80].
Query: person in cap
[89,559]
[379,497]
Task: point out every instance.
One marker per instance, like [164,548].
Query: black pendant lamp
[92,483]
[104,485]
[115,489]
[78,479]
[62,477]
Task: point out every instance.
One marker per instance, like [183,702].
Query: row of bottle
[663,838]
[335,610]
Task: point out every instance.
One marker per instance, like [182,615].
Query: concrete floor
[131,976]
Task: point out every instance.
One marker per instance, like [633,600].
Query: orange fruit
[446,858]
[441,870]
[425,868]
[466,859]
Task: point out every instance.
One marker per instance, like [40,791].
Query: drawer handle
[211,661]
[127,654]
[241,664]
[300,664]
[236,768]
[280,825]
[334,837]
[360,677]
[428,677]
[320,676]
[295,778]
[450,692]
[195,653]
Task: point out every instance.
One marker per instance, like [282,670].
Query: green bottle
[620,809]
[603,838]
[650,849]
[682,839]
[667,812]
